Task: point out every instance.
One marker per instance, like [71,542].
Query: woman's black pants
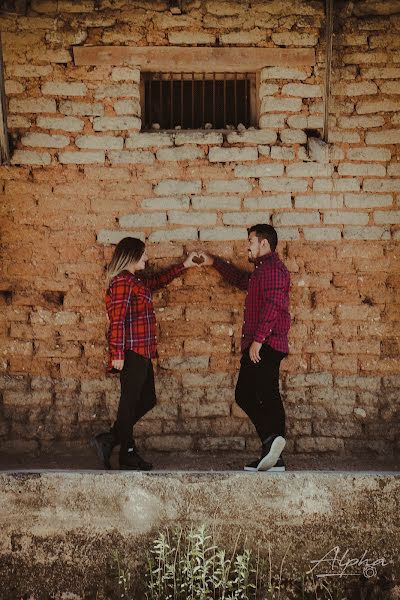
[257,392]
[138,396]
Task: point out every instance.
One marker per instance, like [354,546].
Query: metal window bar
[224,101]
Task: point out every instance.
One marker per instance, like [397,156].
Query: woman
[132,345]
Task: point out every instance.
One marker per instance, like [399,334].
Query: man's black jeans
[257,392]
[138,396]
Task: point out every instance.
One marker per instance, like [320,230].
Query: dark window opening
[198,101]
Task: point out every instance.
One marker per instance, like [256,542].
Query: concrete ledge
[59,529]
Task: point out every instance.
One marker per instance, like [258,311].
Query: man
[264,342]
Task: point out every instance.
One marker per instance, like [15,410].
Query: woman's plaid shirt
[131,312]
[266,316]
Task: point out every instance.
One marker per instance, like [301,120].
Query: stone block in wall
[367,200]
[191,38]
[113,237]
[344,137]
[284,73]
[130,157]
[294,38]
[264,150]
[71,6]
[147,220]
[27,157]
[305,122]
[387,217]
[171,235]
[215,202]
[345,218]
[322,234]
[364,169]
[282,153]
[369,154]
[393,170]
[279,105]
[167,202]
[83,109]
[288,234]
[30,71]
[223,233]
[125,74]
[226,186]
[211,138]
[81,158]
[61,88]
[336,185]
[362,88]
[293,136]
[252,137]
[259,170]
[272,121]
[148,140]
[376,106]
[13,88]
[386,136]
[100,142]
[116,123]
[302,90]
[32,105]
[117,90]
[18,122]
[274,201]
[380,73]
[366,233]
[390,87]
[60,123]
[176,186]
[191,218]
[244,218]
[297,218]
[232,154]
[364,58]
[127,107]
[309,170]
[283,184]
[244,38]
[178,154]
[319,201]
[267,89]
[45,140]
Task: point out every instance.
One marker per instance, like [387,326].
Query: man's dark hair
[265,232]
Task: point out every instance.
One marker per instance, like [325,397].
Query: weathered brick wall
[83,177]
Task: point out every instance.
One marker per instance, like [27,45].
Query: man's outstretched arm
[237,277]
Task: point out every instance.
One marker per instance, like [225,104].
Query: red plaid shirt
[131,312]
[266,316]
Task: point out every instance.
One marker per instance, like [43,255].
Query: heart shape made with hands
[198,259]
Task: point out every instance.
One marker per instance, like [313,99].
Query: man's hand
[189,262]
[254,352]
[118,364]
[208,260]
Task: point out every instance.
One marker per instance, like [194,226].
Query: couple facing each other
[133,343]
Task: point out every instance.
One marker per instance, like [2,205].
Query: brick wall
[83,177]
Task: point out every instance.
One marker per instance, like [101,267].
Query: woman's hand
[208,260]
[254,352]
[189,262]
[118,364]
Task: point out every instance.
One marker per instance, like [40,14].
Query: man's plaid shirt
[266,316]
[131,312]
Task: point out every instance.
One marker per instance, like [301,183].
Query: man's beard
[251,259]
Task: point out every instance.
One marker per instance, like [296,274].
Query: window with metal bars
[198,101]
